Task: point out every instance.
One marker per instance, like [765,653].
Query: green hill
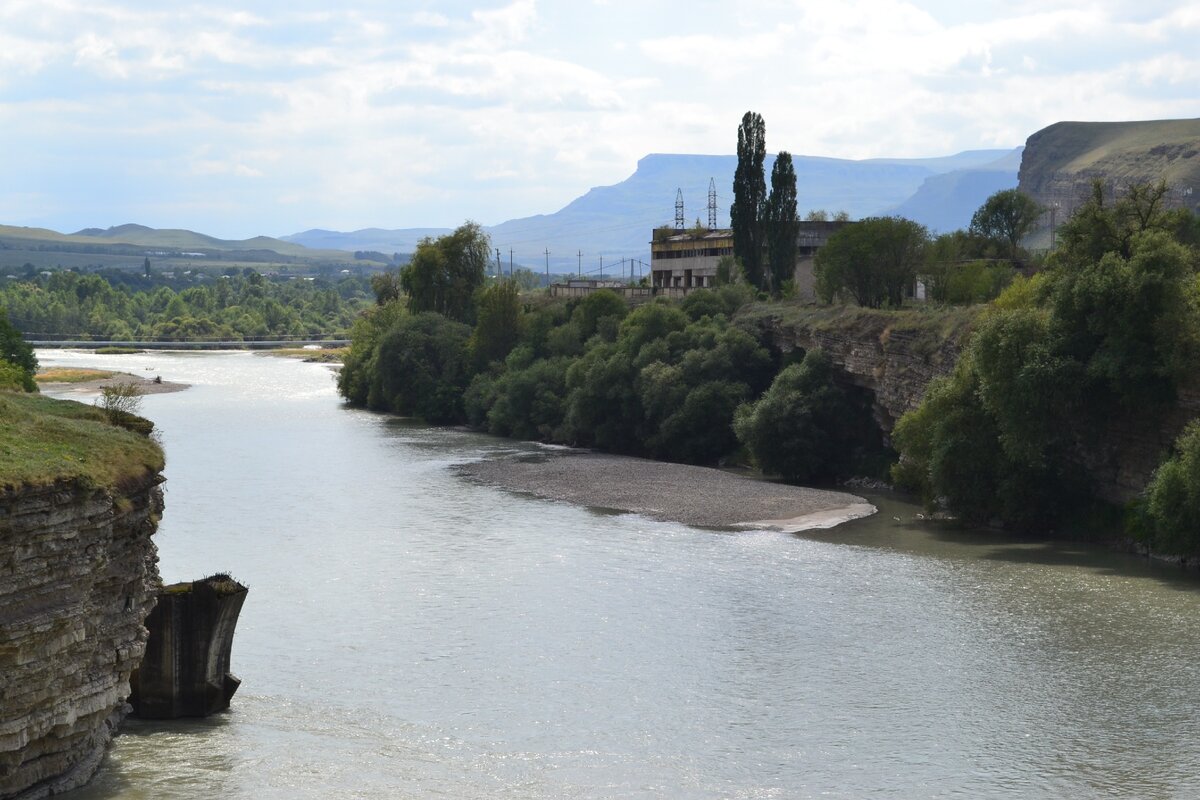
[128,245]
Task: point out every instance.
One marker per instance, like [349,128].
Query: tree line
[1104,336]
[242,306]
[675,381]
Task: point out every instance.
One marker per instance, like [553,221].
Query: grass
[117,351]
[928,327]
[71,375]
[43,441]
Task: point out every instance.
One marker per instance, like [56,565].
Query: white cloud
[365,115]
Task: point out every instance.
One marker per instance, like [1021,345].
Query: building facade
[681,260]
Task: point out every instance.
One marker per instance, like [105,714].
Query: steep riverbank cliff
[78,575]
[893,354]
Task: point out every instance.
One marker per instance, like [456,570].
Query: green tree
[444,273]
[16,351]
[781,223]
[386,286]
[424,367]
[1173,497]
[1006,217]
[804,427]
[874,261]
[749,197]
[497,324]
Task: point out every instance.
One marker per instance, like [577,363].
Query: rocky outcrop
[881,352]
[78,575]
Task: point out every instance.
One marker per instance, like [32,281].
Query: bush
[805,427]
[423,364]
[1173,498]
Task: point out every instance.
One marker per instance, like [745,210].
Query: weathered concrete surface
[185,672]
[78,575]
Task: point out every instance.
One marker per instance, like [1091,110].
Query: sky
[270,117]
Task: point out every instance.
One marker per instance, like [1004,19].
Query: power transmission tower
[679,209]
[712,204]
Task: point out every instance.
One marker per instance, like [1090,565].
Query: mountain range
[616,222]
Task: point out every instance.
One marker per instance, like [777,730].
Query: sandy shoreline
[146,385]
[698,496]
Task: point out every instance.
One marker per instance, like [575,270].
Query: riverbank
[92,384]
[698,496]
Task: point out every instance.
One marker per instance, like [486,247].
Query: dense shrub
[805,427]
[1173,497]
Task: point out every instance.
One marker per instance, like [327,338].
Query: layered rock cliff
[78,575]
[79,501]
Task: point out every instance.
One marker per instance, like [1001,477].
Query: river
[409,633]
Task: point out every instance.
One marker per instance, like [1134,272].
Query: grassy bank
[43,441]
[930,326]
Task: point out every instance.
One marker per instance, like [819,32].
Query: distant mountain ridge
[615,222]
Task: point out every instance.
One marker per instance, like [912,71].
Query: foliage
[1173,498]
[805,427]
[1006,217]
[873,261]
[423,365]
[120,306]
[749,197]
[16,358]
[498,323]
[1111,328]
[359,378]
[968,283]
[119,399]
[781,224]
[599,312]
[445,272]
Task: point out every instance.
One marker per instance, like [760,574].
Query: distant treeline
[120,305]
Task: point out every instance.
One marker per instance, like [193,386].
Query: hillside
[128,245]
[615,221]
[1061,161]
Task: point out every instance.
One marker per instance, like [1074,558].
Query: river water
[411,634]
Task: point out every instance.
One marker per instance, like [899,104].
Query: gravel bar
[697,496]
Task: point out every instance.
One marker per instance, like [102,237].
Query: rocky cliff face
[1061,162]
[895,362]
[78,575]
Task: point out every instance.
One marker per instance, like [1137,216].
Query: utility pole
[580,254]
[499,269]
[602,266]
[547,267]
[510,262]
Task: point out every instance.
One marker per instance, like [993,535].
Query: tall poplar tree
[749,197]
[781,223]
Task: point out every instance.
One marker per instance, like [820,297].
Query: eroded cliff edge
[78,575]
